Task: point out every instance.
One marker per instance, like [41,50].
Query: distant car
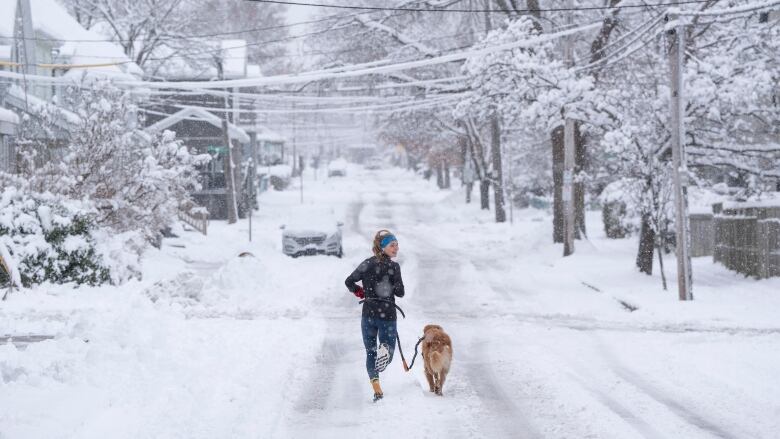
[323,238]
[337,168]
[375,162]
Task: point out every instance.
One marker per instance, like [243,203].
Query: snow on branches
[527,85]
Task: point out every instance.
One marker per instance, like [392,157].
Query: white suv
[309,240]
[337,168]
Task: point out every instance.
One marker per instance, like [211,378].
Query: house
[267,144]
[60,47]
[202,132]
[197,119]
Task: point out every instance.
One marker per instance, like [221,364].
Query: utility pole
[294,152]
[680,171]
[568,159]
[495,145]
[24,44]
[25,38]
[230,180]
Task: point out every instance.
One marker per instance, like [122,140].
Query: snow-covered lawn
[212,345]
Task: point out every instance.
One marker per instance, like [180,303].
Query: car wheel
[340,253]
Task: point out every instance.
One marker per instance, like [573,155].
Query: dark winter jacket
[381,279]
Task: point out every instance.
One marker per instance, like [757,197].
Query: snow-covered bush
[617,211]
[49,240]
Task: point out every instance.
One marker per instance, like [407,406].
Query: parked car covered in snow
[337,168]
[322,237]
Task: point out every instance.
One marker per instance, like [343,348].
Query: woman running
[381,284]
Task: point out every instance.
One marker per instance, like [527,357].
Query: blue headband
[387,240]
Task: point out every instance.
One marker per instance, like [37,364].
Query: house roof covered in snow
[263,132]
[198,114]
[17,98]
[77,45]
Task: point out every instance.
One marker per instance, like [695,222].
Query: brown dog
[437,355]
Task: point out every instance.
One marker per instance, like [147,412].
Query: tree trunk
[439,177]
[535,11]
[447,175]
[644,257]
[478,156]
[469,188]
[579,186]
[484,193]
[661,263]
[498,179]
[557,167]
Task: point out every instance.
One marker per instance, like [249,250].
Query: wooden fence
[747,239]
[195,216]
[702,234]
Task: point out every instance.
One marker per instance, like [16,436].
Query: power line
[408,9]
[196,36]
[375,67]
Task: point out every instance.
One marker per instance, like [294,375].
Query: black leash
[377,299]
[415,353]
[398,336]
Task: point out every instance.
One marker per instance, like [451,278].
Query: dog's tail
[441,358]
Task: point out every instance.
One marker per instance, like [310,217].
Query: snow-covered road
[520,373]
[270,346]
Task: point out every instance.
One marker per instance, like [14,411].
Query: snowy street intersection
[210,345]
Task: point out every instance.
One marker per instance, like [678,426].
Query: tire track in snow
[641,426]
[687,414]
[330,381]
[501,414]
[321,383]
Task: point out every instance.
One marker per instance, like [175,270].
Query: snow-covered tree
[135,182]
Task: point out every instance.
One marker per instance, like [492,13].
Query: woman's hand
[359,293]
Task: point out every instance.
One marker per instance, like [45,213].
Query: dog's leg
[429,377]
[437,383]
[442,378]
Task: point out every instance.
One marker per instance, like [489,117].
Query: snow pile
[245,287]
